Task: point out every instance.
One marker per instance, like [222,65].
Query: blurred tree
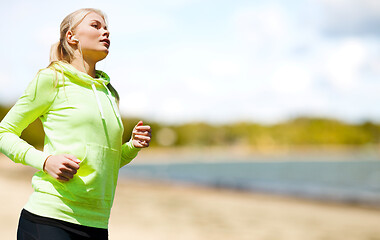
[295,132]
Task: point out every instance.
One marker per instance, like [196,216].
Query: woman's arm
[36,101]
[141,136]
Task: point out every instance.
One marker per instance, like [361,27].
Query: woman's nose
[106,33]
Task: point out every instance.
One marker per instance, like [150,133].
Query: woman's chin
[96,55]
[101,55]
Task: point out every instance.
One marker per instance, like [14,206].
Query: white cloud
[254,60]
[261,26]
[226,67]
[4,81]
[198,86]
[344,63]
[136,104]
[171,109]
[47,35]
[8,88]
[141,22]
[291,78]
[173,3]
[269,69]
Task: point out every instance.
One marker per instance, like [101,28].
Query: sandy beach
[153,210]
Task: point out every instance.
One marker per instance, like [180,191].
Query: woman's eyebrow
[97,21]
[94,20]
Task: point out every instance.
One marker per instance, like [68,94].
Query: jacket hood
[101,79]
[75,75]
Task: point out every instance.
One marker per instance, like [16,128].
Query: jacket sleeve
[128,153]
[35,102]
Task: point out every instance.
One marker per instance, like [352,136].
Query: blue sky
[216,61]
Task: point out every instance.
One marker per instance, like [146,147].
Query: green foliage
[299,131]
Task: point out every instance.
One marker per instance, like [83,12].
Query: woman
[83,150]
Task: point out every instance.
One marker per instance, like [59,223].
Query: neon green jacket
[80,117]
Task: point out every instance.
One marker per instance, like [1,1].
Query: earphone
[80,50]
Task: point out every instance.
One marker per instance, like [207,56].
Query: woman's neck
[84,66]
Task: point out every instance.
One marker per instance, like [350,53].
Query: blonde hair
[62,51]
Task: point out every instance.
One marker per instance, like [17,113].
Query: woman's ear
[70,38]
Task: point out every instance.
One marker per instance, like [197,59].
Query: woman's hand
[141,135]
[62,167]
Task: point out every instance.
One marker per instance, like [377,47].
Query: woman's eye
[94,25]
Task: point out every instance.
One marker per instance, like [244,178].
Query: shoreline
[145,210]
[235,153]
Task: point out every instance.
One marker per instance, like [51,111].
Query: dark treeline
[296,132]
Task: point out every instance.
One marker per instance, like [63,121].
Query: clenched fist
[62,167]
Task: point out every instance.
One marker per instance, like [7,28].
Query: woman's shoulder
[50,75]
[46,72]
[43,82]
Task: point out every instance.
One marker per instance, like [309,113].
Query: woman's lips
[107,42]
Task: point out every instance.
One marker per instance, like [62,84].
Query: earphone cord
[80,50]
[81,53]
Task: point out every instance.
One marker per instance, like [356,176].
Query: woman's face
[93,37]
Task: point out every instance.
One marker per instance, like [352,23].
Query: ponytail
[55,52]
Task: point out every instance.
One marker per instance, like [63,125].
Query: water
[348,181]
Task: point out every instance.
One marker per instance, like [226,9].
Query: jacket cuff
[130,151]
[36,158]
